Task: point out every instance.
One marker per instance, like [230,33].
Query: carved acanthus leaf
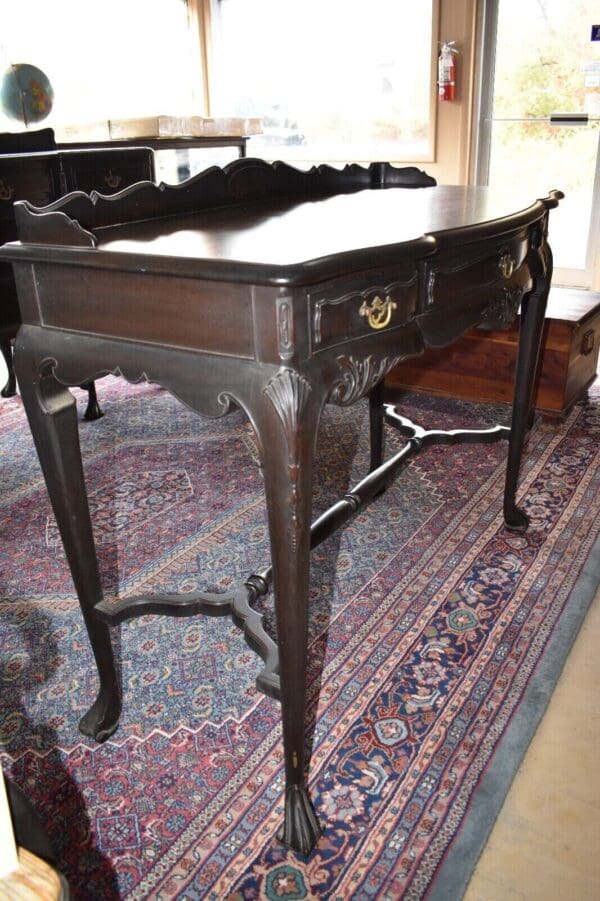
[358,377]
[503,308]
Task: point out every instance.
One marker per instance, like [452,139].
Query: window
[339,80]
[334,80]
[109,60]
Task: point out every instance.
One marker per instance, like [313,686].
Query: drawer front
[475,276]
[343,310]
[109,172]
[27,179]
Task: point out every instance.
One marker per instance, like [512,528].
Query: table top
[273,224]
[287,234]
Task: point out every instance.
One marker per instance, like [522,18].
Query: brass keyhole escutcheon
[379,312]
[506,265]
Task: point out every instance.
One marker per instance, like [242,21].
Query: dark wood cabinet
[105,171]
[43,177]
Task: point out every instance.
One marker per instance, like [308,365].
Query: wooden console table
[262,287]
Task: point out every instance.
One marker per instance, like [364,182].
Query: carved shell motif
[288,391]
[358,377]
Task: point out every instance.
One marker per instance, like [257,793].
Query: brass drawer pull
[6,191]
[506,265]
[379,313]
[112,180]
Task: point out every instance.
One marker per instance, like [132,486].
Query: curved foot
[301,830]
[102,719]
[92,410]
[92,413]
[10,389]
[516,520]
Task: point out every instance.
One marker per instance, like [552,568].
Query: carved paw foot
[301,830]
[102,719]
[516,520]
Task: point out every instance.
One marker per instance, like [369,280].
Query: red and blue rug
[436,639]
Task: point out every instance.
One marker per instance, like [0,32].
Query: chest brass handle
[587,343]
[506,265]
[379,312]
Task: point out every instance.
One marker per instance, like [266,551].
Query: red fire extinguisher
[446,71]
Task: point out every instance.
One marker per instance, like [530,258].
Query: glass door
[540,118]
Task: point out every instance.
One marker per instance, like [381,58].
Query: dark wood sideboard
[41,178]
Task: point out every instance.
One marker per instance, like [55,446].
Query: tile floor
[545,845]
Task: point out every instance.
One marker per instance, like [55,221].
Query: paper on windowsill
[183,126]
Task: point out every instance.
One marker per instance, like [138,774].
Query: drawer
[342,310]
[491,265]
[26,179]
[108,179]
[108,172]
[482,287]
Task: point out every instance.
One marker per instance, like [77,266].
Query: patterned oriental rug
[437,637]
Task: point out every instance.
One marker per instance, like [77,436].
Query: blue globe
[26,93]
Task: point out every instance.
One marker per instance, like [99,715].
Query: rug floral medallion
[428,621]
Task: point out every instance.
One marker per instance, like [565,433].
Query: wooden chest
[480,366]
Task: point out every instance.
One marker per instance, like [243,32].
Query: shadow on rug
[431,628]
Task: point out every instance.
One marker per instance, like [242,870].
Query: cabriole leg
[52,415]
[533,310]
[287,423]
